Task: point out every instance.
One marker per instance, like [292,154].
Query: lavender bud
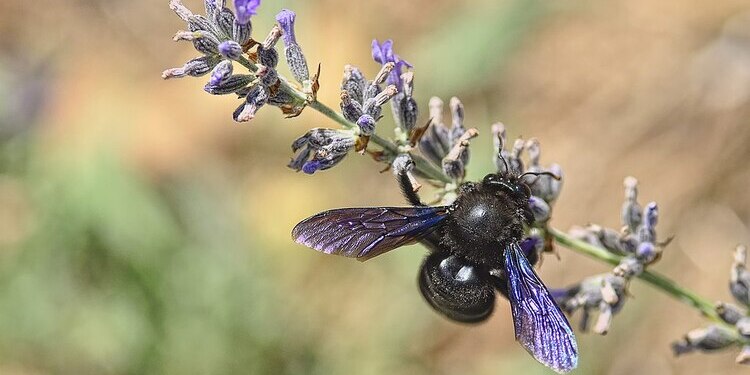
[650,215]
[353,83]
[555,185]
[256,98]
[241,32]
[230,50]
[540,209]
[225,21]
[272,38]
[230,85]
[739,283]
[200,23]
[743,326]
[608,238]
[366,124]
[631,210]
[435,144]
[294,56]
[729,313]
[212,7]
[221,72]
[246,9]
[646,252]
[436,110]
[203,41]
[705,339]
[194,68]
[628,267]
[351,109]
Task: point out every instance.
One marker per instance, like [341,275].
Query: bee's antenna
[545,173]
[505,162]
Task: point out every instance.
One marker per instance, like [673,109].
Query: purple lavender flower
[246,9]
[383,53]
[286,18]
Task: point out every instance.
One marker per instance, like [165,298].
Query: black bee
[475,251]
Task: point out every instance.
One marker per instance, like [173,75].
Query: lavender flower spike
[246,9]
[383,53]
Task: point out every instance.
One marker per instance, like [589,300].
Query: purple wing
[364,233]
[540,325]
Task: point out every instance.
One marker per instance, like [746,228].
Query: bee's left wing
[364,233]
[540,325]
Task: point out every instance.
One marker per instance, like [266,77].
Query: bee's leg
[456,289]
[408,190]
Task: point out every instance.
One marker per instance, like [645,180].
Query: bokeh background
[143,232]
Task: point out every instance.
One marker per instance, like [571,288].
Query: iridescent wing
[364,233]
[540,325]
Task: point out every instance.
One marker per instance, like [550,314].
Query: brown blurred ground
[655,89]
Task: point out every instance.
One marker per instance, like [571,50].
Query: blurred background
[143,232]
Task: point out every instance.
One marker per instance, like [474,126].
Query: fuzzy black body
[484,220]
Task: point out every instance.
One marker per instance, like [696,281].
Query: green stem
[420,164]
[655,279]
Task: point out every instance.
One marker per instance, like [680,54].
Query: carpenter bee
[475,250]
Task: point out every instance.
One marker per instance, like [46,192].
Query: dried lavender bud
[514,157]
[204,42]
[366,124]
[256,98]
[212,7]
[607,238]
[246,9]
[373,106]
[220,73]
[268,57]
[631,210]
[705,339]
[230,50]
[628,267]
[351,109]
[272,38]
[540,209]
[435,143]
[180,10]
[744,357]
[195,68]
[294,56]
[453,164]
[739,283]
[230,85]
[457,116]
[354,83]
[268,76]
[404,106]
[327,147]
[729,313]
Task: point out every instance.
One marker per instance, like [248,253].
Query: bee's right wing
[364,233]
[540,325]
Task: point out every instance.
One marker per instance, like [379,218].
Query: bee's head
[508,183]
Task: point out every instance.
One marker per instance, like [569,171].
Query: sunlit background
[142,231]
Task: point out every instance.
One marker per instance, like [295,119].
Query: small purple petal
[246,9]
[286,18]
[311,166]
